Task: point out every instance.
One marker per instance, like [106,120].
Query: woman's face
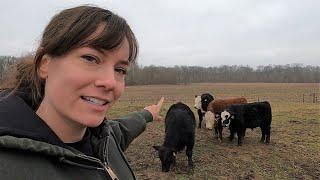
[83,84]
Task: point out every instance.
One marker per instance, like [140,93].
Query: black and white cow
[251,115]
[179,133]
[201,104]
[216,107]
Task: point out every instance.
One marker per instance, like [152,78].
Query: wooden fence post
[302,98]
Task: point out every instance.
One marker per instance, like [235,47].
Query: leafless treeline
[293,73]
[5,63]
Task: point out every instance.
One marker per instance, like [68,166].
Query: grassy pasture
[293,153]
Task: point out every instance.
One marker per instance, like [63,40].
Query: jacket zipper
[105,166]
[110,172]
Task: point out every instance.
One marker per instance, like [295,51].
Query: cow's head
[227,116]
[197,102]
[167,157]
[202,102]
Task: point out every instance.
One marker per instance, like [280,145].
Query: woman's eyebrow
[96,49]
[124,62]
[102,52]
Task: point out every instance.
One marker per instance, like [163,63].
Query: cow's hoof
[190,168]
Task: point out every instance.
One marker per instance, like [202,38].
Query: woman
[52,111]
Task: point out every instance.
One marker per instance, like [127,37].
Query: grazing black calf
[201,104]
[251,115]
[179,133]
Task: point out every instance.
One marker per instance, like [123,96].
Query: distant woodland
[142,75]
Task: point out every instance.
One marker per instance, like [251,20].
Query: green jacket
[23,155]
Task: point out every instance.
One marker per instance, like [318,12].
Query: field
[293,153]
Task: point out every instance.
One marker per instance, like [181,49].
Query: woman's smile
[95,100]
[95,103]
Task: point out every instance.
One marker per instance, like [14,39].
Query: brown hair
[70,29]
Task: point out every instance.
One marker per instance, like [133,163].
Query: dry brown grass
[294,151]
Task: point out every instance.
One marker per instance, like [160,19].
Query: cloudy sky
[188,32]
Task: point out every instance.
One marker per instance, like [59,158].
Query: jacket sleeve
[128,127]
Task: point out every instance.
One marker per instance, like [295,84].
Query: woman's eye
[121,70]
[90,59]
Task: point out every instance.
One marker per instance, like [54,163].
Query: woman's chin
[94,122]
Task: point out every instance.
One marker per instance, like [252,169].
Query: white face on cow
[197,102]
[225,115]
[226,118]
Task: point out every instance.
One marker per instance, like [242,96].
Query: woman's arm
[127,128]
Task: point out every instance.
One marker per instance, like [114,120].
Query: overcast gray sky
[188,32]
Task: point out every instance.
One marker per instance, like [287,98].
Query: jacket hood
[17,119]
[23,130]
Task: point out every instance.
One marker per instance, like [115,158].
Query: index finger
[160,102]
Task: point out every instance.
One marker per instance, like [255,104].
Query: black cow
[251,115]
[201,104]
[179,133]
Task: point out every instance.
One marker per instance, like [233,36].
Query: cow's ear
[157,148]
[195,96]
[232,116]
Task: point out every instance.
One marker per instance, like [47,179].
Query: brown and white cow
[216,107]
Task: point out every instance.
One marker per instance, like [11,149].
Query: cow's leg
[174,162]
[268,134]
[216,132]
[189,155]
[220,128]
[263,136]
[231,135]
[240,134]
[200,118]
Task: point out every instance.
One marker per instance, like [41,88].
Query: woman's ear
[44,66]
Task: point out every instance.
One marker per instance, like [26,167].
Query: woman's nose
[106,80]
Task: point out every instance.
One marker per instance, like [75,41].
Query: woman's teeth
[95,100]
